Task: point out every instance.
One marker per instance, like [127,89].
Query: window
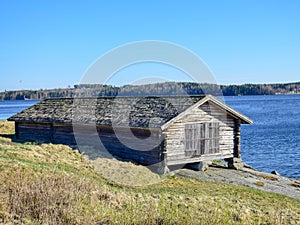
[201,138]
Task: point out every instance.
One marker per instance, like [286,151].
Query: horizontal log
[197,159]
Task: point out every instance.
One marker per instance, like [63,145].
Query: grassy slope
[52,184]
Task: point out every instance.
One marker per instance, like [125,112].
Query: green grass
[52,184]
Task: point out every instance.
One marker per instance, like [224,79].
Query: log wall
[118,142]
[175,135]
[34,131]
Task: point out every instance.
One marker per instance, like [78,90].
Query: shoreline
[246,176]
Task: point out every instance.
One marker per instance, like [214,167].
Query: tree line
[167,88]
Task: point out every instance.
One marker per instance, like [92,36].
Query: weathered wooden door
[201,138]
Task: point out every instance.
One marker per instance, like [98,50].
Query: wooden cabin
[157,131]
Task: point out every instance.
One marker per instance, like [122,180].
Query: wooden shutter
[213,138]
[201,138]
[190,143]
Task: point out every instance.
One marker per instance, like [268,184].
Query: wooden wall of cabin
[45,132]
[89,137]
[33,131]
[127,144]
[63,134]
[206,113]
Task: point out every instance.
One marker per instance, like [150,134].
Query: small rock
[275,172]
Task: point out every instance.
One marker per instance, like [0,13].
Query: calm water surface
[9,108]
[272,142]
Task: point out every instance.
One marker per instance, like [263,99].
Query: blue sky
[47,44]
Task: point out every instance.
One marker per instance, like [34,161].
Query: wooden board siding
[118,142]
[63,134]
[206,113]
[91,136]
[34,131]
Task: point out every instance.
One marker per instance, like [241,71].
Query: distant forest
[168,88]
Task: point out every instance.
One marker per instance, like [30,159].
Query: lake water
[272,142]
[9,108]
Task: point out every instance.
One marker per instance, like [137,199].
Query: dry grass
[268,177]
[51,184]
[125,173]
[259,183]
[47,200]
[62,199]
[6,127]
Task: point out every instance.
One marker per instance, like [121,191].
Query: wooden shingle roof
[106,111]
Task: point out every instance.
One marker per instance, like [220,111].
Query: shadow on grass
[14,139]
[90,152]
[93,154]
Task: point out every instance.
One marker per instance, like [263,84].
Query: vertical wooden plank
[197,139]
[186,139]
[212,137]
[217,137]
[194,140]
[193,135]
[206,136]
[188,136]
[237,134]
[202,136]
